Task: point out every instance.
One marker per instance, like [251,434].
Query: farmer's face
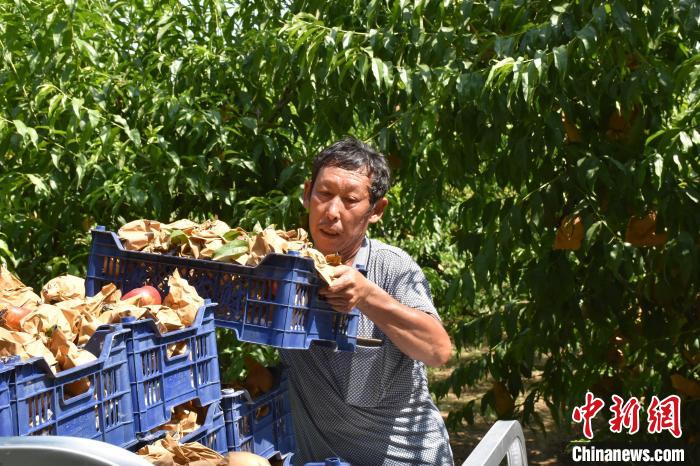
[340,210]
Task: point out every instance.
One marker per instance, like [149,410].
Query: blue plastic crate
[212,432]
[275,303]
[262,426]
[159,381]
[104,412]
[8,424]
[329,462]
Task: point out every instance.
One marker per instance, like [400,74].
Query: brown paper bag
[87,327]
[37,348]
[165,318]
[63,288]
[21,297]
[45,319]
[8,281]
[157,454]
[183,420]
[218,227]
[183,299]
[139,234]
[184,225]
[12,343]
[25,346]
[188,453]
[72,310]
[109,294]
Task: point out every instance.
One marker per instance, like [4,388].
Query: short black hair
[355,155]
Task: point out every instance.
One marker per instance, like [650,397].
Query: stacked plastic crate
[275,303]
[92,400]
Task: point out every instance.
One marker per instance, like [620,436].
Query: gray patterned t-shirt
[370,407]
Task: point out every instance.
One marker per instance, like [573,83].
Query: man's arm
[417,334]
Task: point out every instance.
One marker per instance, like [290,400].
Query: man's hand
[417,334]
[349,289]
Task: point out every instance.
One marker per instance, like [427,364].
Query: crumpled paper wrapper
[46,319]
[13,291]
[259,379]
[86,328]
[25,346]
[114,313]
[183,299]
[183,420]
[168,452]
[109,294]
[55,331]
[8,281]
[325,265]
[203,240]
[69,356]
[141,235]
[63,288]
[165,318]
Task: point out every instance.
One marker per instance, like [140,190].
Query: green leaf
[77,104]
[231,251]
[561,59]
[26,132]
[54,103]
[38,183]
[621,17]
[588,36]
[232,235]
[592,231]
[162,30]
[178,237]
[686,141]
[249,122]
[87,49]
[500,70]
[378,70]
[6,253]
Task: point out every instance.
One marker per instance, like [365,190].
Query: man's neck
[349,260]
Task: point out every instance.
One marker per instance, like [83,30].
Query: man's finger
[340,270]
[339,284]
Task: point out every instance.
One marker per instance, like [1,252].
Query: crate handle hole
[79,390]
[180,349]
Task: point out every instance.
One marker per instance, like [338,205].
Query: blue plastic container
[212,433]
[275,303]
[8,424]
[104,412]
[262,426]
[160,381]
[329,462]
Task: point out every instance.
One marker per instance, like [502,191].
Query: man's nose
[333,209]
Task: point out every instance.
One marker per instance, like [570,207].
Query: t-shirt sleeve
[410,286]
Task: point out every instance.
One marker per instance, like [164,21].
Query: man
[372,406]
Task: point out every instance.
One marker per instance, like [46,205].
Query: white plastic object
[504,439]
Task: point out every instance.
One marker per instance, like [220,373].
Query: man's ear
[306,201]
[378,210]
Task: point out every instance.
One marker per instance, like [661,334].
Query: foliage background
[500,120]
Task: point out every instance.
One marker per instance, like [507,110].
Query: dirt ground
[541,449]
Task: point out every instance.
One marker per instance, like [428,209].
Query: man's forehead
[353,178]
